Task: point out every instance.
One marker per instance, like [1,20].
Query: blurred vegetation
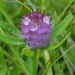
[11,12]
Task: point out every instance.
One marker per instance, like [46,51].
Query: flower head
[36,29]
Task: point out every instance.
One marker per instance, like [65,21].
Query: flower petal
[46,19]
[26,21]
[34,27]
[24,28]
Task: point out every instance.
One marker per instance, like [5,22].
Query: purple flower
[36,29]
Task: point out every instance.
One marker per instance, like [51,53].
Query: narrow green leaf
[60,43]
[3,67]
[19,60]
[54,19]
[61,26]
[1,3]
[10,28]
[11,40]
[51,64]
[12,60]
[3,12]
[24,5]
[1,31]
[65,9]
[16,71]
[29,65]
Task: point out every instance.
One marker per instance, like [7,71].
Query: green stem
[16,12]
[6,16]
[34,63]
[50,65]
[47,58]
[60,43]
[24,5]
[19,60]
[17,56]
[65,9]
[37,57]
[42,7]
[12,60]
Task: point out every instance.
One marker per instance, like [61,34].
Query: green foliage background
[15,56]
